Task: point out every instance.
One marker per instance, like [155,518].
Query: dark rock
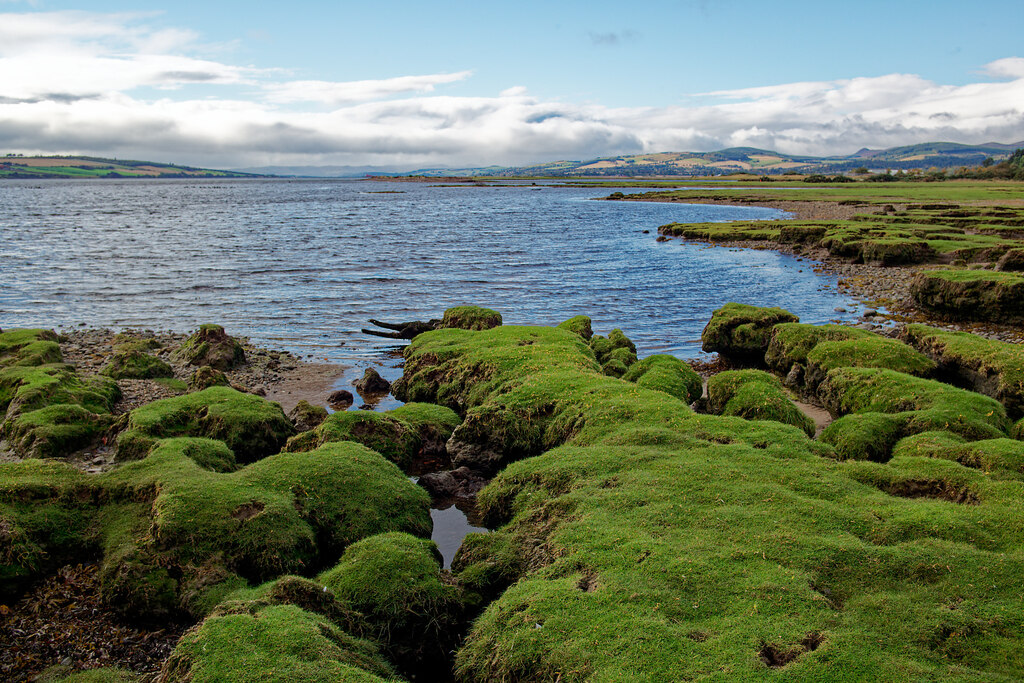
[1012,260]
[372,383]
[795,377]
[341,399]
[459,483]
[211,345]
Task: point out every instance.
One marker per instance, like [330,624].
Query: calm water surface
[302,264]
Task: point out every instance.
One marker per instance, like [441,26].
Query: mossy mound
[990,367]
[205,377]
[177,530]
[740,332]
[615,353]
[663,372]
[580,325]
[273,643]
[252,427]
[28,347]
[645,541]
[400,435]
[998,458]
[470,318]
[306,416]
[211,345]
[970,294]
[890,405]
[136,365]
[754,395]
[394,581]
[49,410]
[870,351]
[65,674]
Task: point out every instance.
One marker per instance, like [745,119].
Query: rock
[211,345]
[341,399]
[372,383]
[206,377]
[1012,260]
[306,416]
[870,313]
[839,309]
[459,483]
[795,376]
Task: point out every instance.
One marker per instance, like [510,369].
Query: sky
[398,84]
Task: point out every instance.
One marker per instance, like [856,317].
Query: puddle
[451,525]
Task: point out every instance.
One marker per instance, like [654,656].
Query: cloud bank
[111,85]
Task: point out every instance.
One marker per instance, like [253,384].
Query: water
[302,264]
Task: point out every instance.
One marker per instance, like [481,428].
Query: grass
[990,367]
[741,331]
[470,318]
[251,427]
[645,542]
[134,364]
[666,373]
[970,294]
[754,395]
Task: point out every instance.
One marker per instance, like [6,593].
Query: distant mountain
[13,166]
[762,161]
[326,171]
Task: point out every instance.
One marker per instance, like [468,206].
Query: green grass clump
[754,395]
[211,345]
[579,324]
[65,674]
[999,458]
[791,342]
[741,332]
[28,347]
[991,367]
[869,351]
[721,232]
[889,406]
[399,435]
[49,410]
[275,643]
[970,294]
[470,318]
[180,527]
[651,543]
[136,365]
[252,427]
[394,581]
[663,372]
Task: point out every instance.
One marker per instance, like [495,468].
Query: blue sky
[457,83]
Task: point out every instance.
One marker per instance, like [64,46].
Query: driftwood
[406,330]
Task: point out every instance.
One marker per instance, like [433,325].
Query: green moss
[741,332]
[470,318]
[864,436]
[399,435]
[580,325]
[870,351]
[394,581]
[999,458]
[55,430]
[663,372]
[28,348]
[175,385]
[211,345]
[791,342]
[970,294]
[991,367]
[275,643]
[251,427]
[135,365]
[65,674]
[206,377]
[643,541]
[754,395]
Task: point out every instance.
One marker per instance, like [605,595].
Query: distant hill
[95,167]
[751,160]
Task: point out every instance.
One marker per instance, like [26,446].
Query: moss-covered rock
[401,435]
[470,318]
[251,427]
[273,643]
[205,377]
[740,332]
[663,372]
[211,345]
[54,431]
[791,342]
[394,581]
[1012,260]
[580,325]
[970,294]
[306,416]
[28,347]
[990,367]
[754,395]
[135,365]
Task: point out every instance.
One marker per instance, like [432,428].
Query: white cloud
[75,82]
[329,92]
